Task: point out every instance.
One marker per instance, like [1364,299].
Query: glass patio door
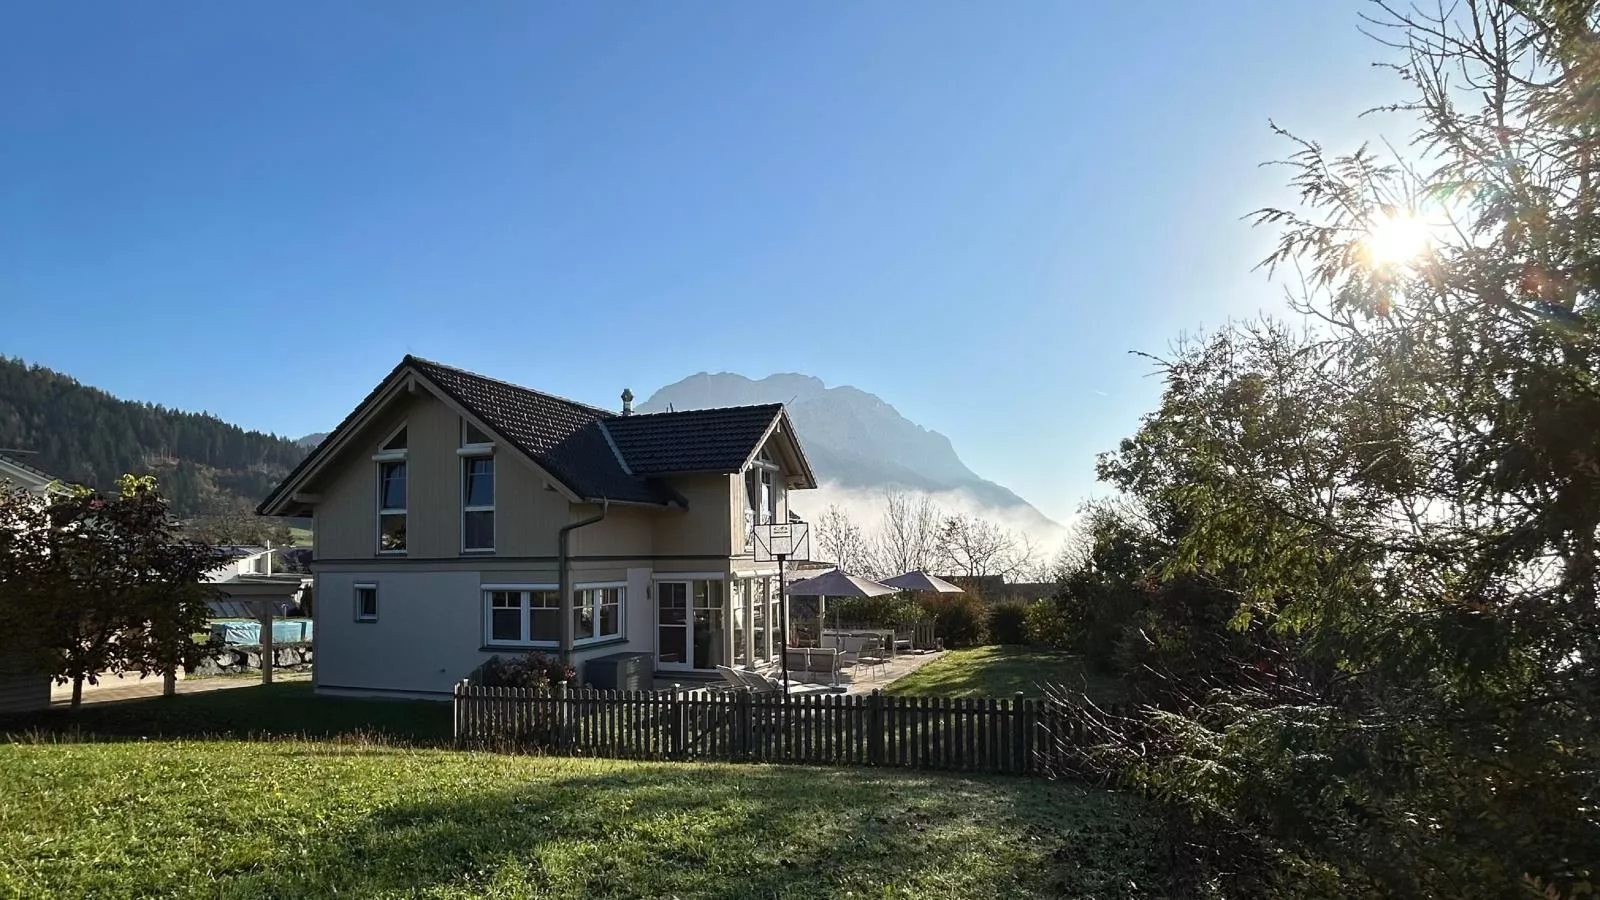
[691,625]
[672,624]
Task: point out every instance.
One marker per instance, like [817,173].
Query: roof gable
[593,453]
[697,440]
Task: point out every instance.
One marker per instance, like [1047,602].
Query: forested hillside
[205,466]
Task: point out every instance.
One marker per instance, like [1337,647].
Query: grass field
[280,710]
[296,819]
[1001,671]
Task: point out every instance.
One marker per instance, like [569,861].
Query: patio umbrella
[836,584]
[922,581]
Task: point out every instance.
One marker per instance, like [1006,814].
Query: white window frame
[469,455]
[380,459]
[357,588]
[526,591]
[621,587]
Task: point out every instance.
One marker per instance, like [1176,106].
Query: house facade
[21,688]
[456,517]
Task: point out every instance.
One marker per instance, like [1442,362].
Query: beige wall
[625,531]
[526,514]
[430,628]
[706,527]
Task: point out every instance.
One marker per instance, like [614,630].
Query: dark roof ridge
[27,468]
[413,358]
[700,409]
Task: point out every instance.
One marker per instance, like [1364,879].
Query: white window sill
[477,551]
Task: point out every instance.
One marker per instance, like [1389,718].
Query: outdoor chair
[732,680]
[756,682]
[796,689]
[873,655]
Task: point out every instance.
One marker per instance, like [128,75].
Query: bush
[960,620]
[536,671]
[1044,625]
[1008,623]
[888,611]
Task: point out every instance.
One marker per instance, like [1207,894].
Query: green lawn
[1002,671]
[302,536]
[281,710]
[293,819]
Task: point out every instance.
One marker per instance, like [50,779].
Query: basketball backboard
[790,540]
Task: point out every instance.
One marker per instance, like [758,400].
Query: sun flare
[1396,240]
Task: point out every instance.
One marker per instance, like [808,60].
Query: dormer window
[391,460]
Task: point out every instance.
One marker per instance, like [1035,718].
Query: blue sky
[973,210]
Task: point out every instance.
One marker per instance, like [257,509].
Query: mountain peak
[854,438]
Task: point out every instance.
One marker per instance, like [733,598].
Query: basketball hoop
[782,542]
[777,542]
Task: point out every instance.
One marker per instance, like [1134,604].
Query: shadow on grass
[278,710]
[688,831]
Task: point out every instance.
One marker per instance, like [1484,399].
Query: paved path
[112,689]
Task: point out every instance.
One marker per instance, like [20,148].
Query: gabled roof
[595,454]
[696,440]
[562,436]
[13,469]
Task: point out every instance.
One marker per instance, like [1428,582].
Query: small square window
[366,603]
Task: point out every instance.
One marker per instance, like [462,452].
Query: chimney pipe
[627,402]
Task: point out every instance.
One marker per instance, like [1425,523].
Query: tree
[975,547]
[907,539]
[841,540]
[103,583]
[1387,527]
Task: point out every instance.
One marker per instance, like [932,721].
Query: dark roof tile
[560,435]
[696,440]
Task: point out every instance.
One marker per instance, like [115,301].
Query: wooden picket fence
[1014,736]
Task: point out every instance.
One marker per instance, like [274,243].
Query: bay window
[518,615]
[530,615]
[597,612]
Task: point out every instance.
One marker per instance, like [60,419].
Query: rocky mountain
[854,439]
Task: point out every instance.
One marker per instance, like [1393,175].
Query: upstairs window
[391,461]
[761,491]
[472,436]
[477,503]
[477,489]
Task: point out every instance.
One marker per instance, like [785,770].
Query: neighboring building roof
[594,453]
[13,469]
[697,440]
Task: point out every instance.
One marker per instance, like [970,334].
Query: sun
[1396,240]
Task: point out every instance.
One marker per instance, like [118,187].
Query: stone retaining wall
[241,658]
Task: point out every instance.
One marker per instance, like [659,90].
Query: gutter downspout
[564,576]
